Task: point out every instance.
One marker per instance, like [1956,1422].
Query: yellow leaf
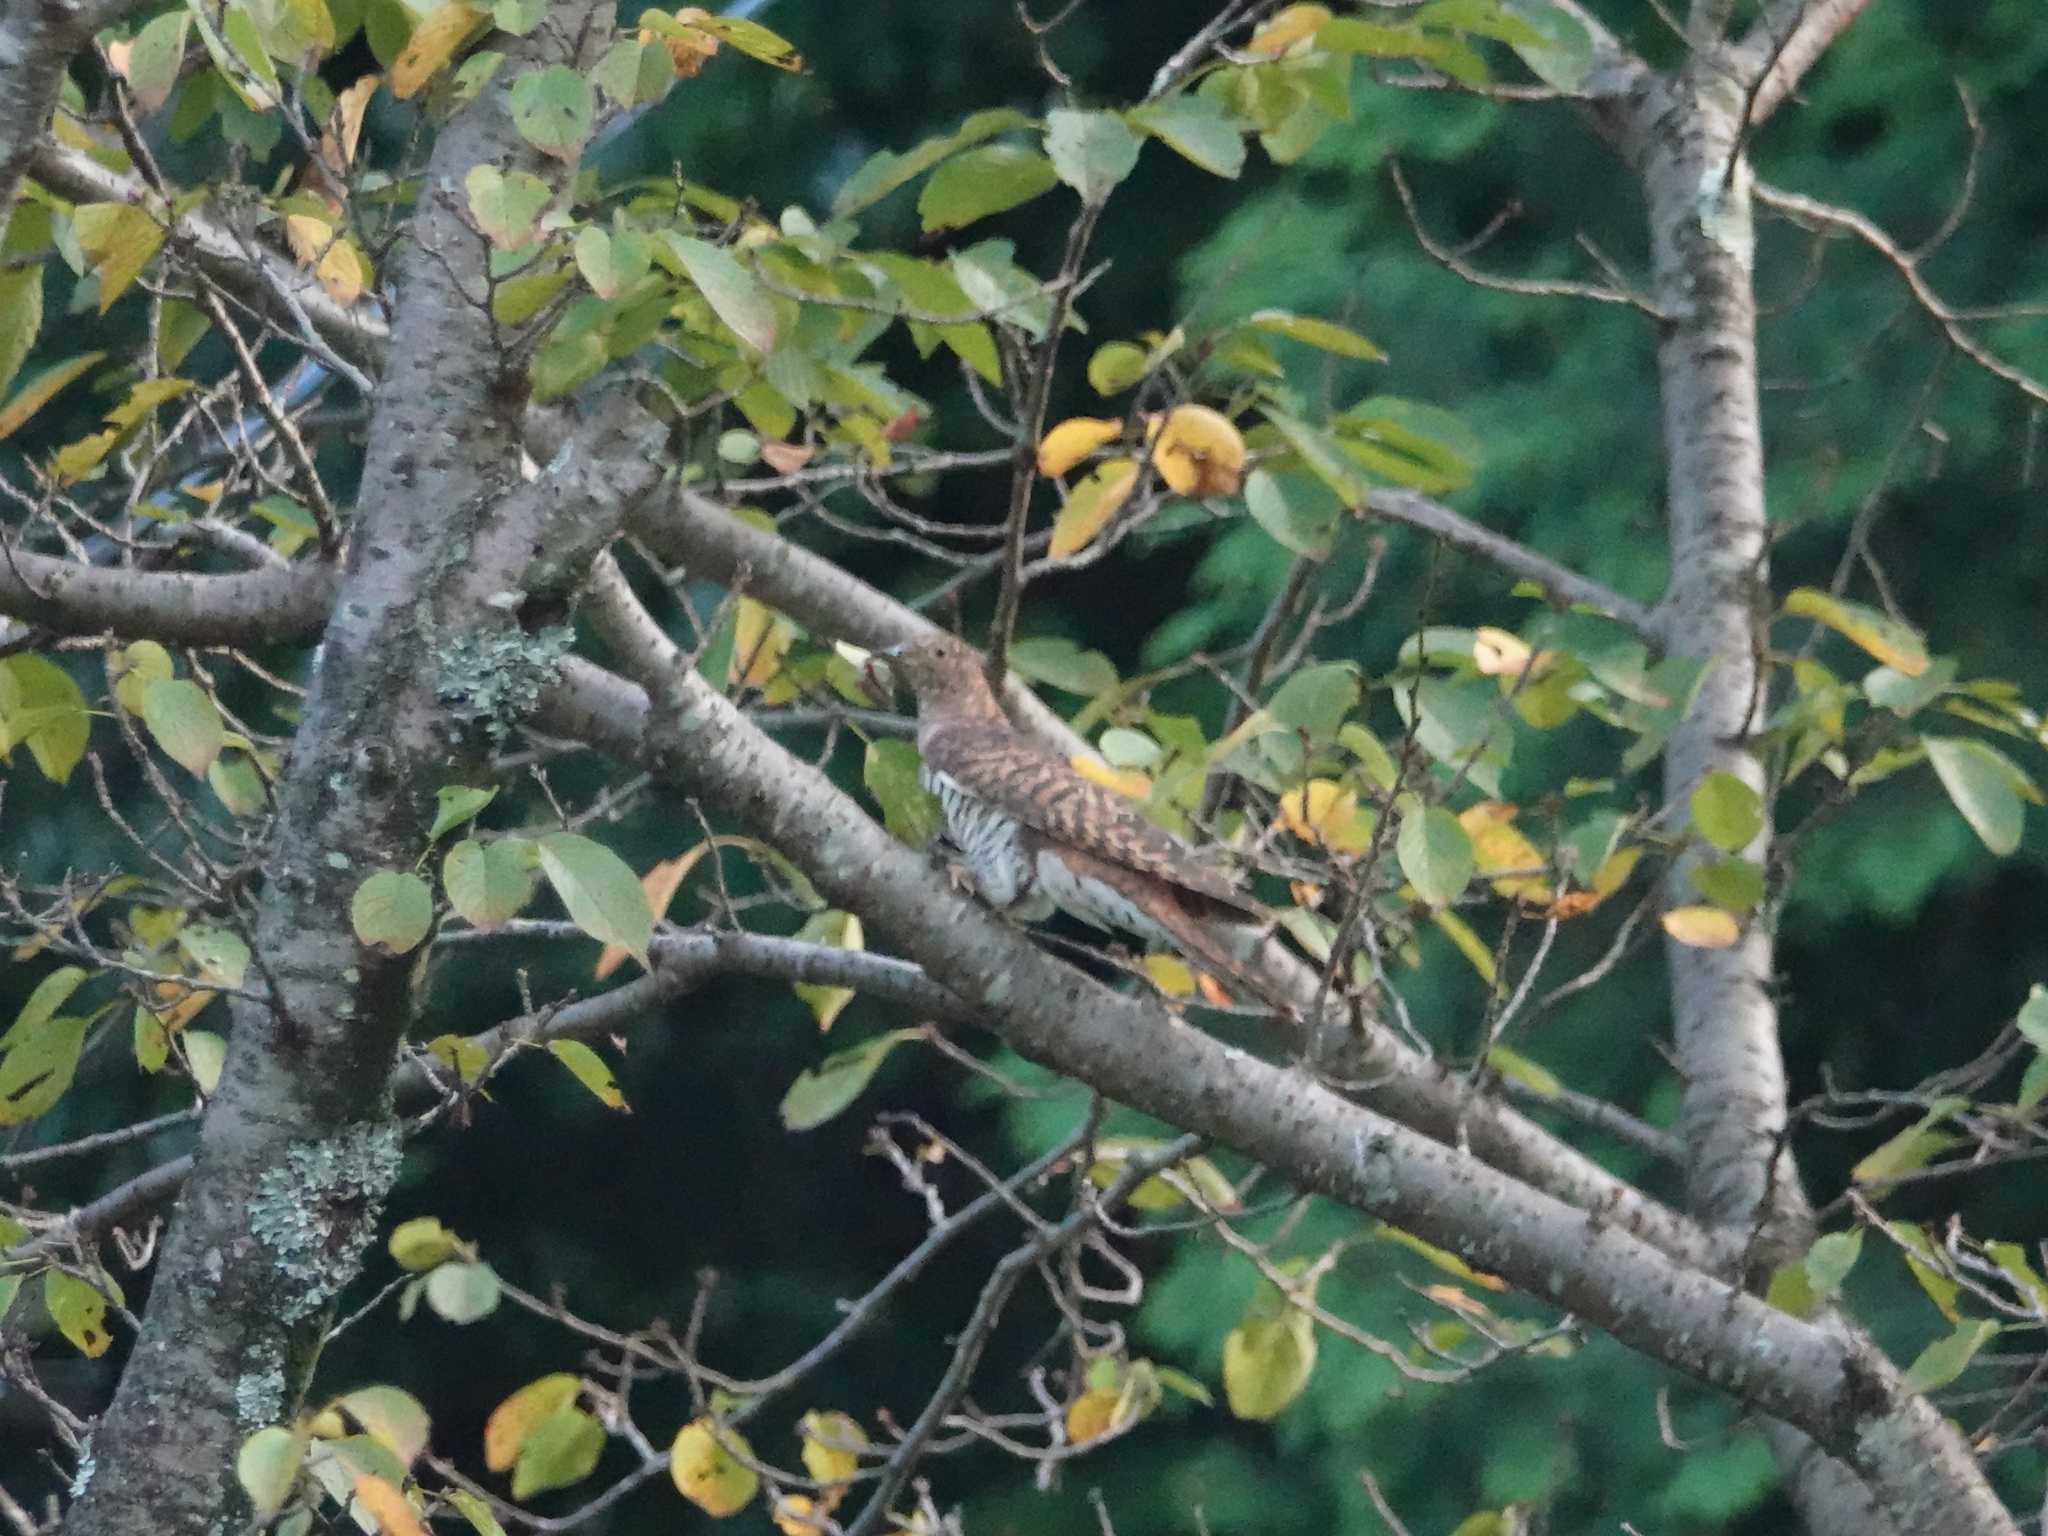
[1324,813]
[709,1475]
[345,124]
[1498,844]
[387,1506]
[760,637]
[661,884]
[796,1515]
[433,43]
[1092,1415]
[1090,506]
[1197,451]
[832,1446]
[1893,643]
[338,266]
[1170,974]
[1072,441]
[1702,927]
[1287,27]
[506,1430]
[1499,654]
[1125,781]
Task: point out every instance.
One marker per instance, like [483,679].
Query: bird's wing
[1043,791]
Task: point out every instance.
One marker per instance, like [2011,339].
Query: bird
[1036,836]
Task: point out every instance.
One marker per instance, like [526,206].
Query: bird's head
[944,672]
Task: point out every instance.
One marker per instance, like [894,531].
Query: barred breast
[994,848]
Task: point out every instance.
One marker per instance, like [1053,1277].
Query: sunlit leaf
[1435,854]
[1090,151]
[733,293]
[38,1067]
[1198,451]
[1985,785]
[552,108]
[79,1311]
[1072,440]
[1727,812]
[1091,505]
[1197,129]
[1702,927]
[512,1423]
[488,883]
[834,930]
[823,1091]
[267,1467]
[433,43]
[1897,645]
[988,180]
[1945,1359]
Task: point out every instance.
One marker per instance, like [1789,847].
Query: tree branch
[1129,1048]
[1787,41]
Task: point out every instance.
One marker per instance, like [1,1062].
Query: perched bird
[1036,836]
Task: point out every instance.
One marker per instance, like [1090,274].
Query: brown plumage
[1037,835]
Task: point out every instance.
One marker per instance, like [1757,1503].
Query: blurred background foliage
[1905,945]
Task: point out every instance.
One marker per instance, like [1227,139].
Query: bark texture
[298,1146]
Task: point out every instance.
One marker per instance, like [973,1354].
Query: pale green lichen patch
[314,1212]
[260,1390]
[496,677]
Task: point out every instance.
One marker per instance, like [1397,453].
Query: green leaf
[563,1449]
[1268,1357]
[184,722]
[518,16]
[883,173]
[1984,784]
[984,181]
[1435,854]
[1727,812]
[1305,523]
[487,883]
[1316,699]
[1912,1148]
[612,263]
[50,994]
[1830,1259]
[1904,695]
[1736,884]
[38,1067]
[589,1069]
[1532,1075]
[267,1467]
[1929,1267]
[1945,1359]
[422,1243]
[600,890]
[463,1292]
[2032,1020]
[552,108]
[455,804]
[1115,367]
[909,810]
[392,911]
[634,73]
[1320,334]
[1565,57]
[506,205]
[21,317]
[1322,455]
[118,240]
[821,1092]
[730,289]
[38,391]
[219,953]
[475,1511]
[1064,665]
[42,708]
[237,785]
[157,57]
[1197,129]
[79,1311]
[1091,151]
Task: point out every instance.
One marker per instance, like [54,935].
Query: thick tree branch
[269,604]
[297,1147]
[1134,1051]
